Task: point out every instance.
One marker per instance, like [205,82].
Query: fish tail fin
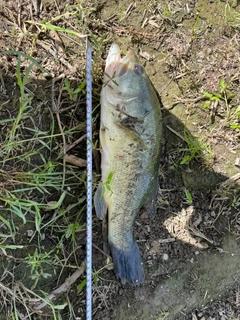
[128,264]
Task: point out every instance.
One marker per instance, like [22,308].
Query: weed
[196,149]
[111,78]
[188,196]
[167,12]
[106,184]
[121,15]
[236,125]
[73,93]
[232,17]
[49,26]
[223,95]
[163,316]
[200,26]
[35,262]
[31,185]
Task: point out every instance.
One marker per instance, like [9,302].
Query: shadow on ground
[190,249]
[195,259]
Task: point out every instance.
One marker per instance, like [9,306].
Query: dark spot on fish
[152,138]
[146,112]
[130,122]
[123,70]
[120,108]
[103,128]
[138,69]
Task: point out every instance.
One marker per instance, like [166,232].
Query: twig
[47,47]
[130,8]
[230,180]
[75,142]
[180,100]
[167,240]
[111,17]
[117,29]
[199,234]
[104,253]
[75,160]
[175,132]
[55,108]
[56,4]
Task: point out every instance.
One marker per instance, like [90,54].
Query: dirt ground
[190,248]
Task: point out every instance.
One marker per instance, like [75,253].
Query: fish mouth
[117,65]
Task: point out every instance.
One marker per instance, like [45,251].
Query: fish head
[124,77]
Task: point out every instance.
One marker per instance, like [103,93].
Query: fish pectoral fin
[99,203]
[131,123]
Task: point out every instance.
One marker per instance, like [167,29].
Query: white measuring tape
[89,181]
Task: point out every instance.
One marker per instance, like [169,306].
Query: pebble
[165,257]
[237,162]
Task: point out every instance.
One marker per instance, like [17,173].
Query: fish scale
[130,137]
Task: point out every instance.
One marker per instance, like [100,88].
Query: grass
[197,149]
[224,95]
[35,182]
[232,18]
[200,26]
[42,198]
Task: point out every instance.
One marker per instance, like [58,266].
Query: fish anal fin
[150,203]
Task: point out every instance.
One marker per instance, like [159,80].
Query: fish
[130,139]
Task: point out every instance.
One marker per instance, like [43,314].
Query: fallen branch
[64,287]
[69,147]
[230,180]
[75,160]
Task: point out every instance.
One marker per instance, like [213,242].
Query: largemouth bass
[130,137]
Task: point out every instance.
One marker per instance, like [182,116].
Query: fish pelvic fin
[128,265]
[99,203]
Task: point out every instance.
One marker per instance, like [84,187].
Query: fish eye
[138,69]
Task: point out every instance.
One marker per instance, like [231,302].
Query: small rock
[237,162]
[120,292]
[165,257]
[29,233]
